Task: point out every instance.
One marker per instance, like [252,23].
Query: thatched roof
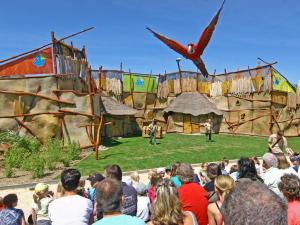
[113,107]
[193,103]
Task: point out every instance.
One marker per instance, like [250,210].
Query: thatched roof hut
[113,107]
[194,104]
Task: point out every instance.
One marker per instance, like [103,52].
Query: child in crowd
[203,174]
[151,190]
[135,179]
[94,179]
[226,164]
[42,198]
[151,173]
[11,215]
[81,188]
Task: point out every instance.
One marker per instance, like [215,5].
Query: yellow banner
[280,84]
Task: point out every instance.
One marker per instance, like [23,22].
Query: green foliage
[27,154]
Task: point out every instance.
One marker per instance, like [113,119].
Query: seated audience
[166,207]
[151,190]
[222,167]
[290,187]
[71,208]
[203,174]
[151,173]
[233,172]
[257,165]
[213,170]
[143,204]
[10,215]
[161,172]
[168,172]
[247,170]
[94,179]
[135,178]
[129,193]
[192,196]
[174,178]
[223,186]
[81,188]
[59,191]
[42,198]
[272,174]
[295,160]
[284,165]
[253,203]
[226,164]
[109,194]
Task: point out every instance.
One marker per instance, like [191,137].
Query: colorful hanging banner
[36,63]
[139,83]
[280,84]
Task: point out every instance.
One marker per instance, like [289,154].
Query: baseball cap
[41,187]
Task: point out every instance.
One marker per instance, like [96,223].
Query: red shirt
[293,213]
[194,198]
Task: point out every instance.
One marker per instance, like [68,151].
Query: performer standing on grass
[152,129]
[277,142]
[208,129]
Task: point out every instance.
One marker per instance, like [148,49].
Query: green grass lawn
[135,152]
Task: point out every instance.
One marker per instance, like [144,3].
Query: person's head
[135,177]
[203,166]
[154,121]
[280,133]
[60,191]
[94,178]
[161,172]
[153,180]
[247,169]
[213,170]
[151,173]
[109,194]
[113,171]
[253,203]
[233,168]
[290,186]
[166,208]
[225,161]
[295,160]
[174,169]
[70,179]
[269,160]
[41,190]
[223,185]
[10,201]
[185,173]
[282,162]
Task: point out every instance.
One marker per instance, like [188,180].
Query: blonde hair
[135,176]
[60,191]
[223,185]
[166,208]
[39,191]
[282,162]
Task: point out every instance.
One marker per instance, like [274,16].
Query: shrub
[71,152]
[35,165]
[51,153]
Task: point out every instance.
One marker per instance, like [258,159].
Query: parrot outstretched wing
[207,34]
[171,43]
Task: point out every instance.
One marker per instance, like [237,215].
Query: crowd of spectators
[251,191]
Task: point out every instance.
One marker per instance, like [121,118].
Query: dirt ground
[24,177]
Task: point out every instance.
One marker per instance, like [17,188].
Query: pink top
[293,213]
[151,193]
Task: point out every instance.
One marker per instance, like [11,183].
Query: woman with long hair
[166,208]
[223,186]
[246,169]
[284,165]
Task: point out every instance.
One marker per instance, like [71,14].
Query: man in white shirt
[208,129]
[71,209]
[272,174]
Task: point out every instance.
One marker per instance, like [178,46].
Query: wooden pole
[53,42]
[98,140]
[100,79]
[46,45]
[180,75]
[228,103]
[271,99]
[131,88]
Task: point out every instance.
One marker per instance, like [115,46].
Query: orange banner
[37,63]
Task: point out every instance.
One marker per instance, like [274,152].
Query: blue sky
[246,30]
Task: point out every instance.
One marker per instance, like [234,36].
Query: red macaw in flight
[193,52]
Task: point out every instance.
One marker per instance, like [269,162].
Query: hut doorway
[187,126]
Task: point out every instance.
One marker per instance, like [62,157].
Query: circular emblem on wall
[139,82]
[39,60]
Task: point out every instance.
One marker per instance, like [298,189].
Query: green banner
[139,83]
[280,84]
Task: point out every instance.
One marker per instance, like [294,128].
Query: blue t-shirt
[175,180]
[130,200]
[121,219]
[11,216]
